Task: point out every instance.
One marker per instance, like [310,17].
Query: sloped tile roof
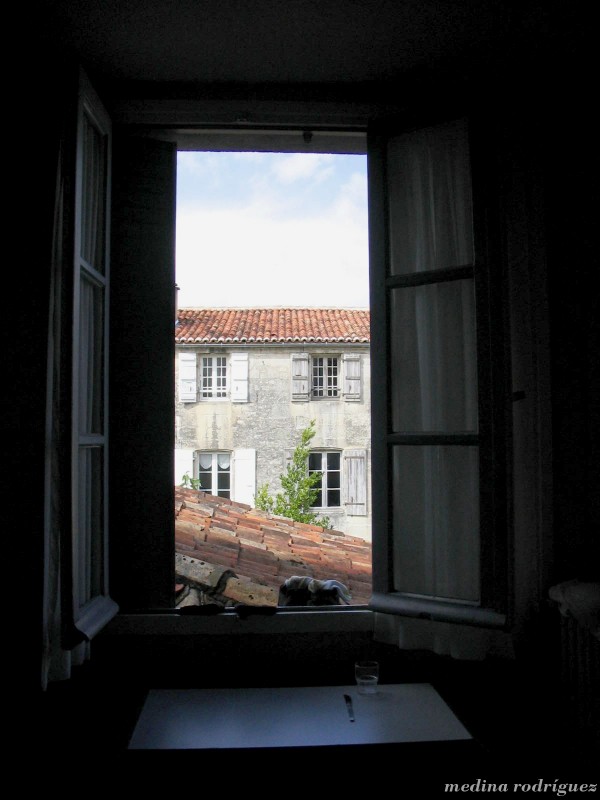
[271,325]
[244,555]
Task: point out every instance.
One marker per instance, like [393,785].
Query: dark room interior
[178,74]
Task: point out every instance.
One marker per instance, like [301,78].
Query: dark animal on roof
[304,591]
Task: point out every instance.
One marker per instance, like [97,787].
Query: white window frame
[324,488]
[215,392]
[326,385]
[214,454]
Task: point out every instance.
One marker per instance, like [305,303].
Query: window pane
[431,225]
[333,498]
[205,481]
[90,538]
[333,480]
[223,460]
[205,461]
[436,521]
[314,461]
[333,460]
[434,358]
[224,482]
[91,358]
[93,194]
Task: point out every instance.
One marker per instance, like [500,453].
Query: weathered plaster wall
[270,422]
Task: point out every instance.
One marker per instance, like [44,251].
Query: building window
[214,376]
[328,464]
[214,473]
[325,373]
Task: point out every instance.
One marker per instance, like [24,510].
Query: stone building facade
[248,381]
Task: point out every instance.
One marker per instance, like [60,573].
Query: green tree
[299,487]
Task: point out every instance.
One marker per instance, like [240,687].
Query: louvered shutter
[355,482]
[239,377]
[352,376]
[187,378]
[300,382]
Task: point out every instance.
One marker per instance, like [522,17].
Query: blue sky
[272,229]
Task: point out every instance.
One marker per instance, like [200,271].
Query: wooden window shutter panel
[244,475]
[300,381]
[355,482]
[239,377]
[352,376]
[187,378]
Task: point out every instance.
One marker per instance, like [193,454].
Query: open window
[439,532]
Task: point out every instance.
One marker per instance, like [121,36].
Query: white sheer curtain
[433,365]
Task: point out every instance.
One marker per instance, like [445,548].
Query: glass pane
[224,481]
[223,460]
[333,460]
[429,187]
[434,358]
[205,460]
[93,195]
[314,461]
[318,502]
[205,481]
[90,533]
[91,358]
[333,498]
[333,480]
[436,521]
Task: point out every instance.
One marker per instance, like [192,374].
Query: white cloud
[300,166]
[295,247]
[251,260]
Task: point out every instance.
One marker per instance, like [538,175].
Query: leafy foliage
[187,482]
[299,488]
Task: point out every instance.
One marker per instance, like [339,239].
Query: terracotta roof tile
[261,552]
[272,325]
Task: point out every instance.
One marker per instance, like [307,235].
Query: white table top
[193,719]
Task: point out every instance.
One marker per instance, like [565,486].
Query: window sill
[355,619]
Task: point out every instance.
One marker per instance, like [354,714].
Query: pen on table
[348,700]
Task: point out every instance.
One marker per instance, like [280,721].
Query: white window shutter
[187,378]
[352,376]
[184,463]
[355,482]
[244,475]
[300,371]
[239,377]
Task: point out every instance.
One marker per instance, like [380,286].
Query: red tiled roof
[250,554]
[263,325]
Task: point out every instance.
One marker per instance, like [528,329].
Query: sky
[272,229]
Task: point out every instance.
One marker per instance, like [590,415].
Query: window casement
[439,532]
[213,470]
[87,556]
[325,377]
[213,377]
[328,464]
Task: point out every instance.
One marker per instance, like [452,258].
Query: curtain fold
[464,642]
